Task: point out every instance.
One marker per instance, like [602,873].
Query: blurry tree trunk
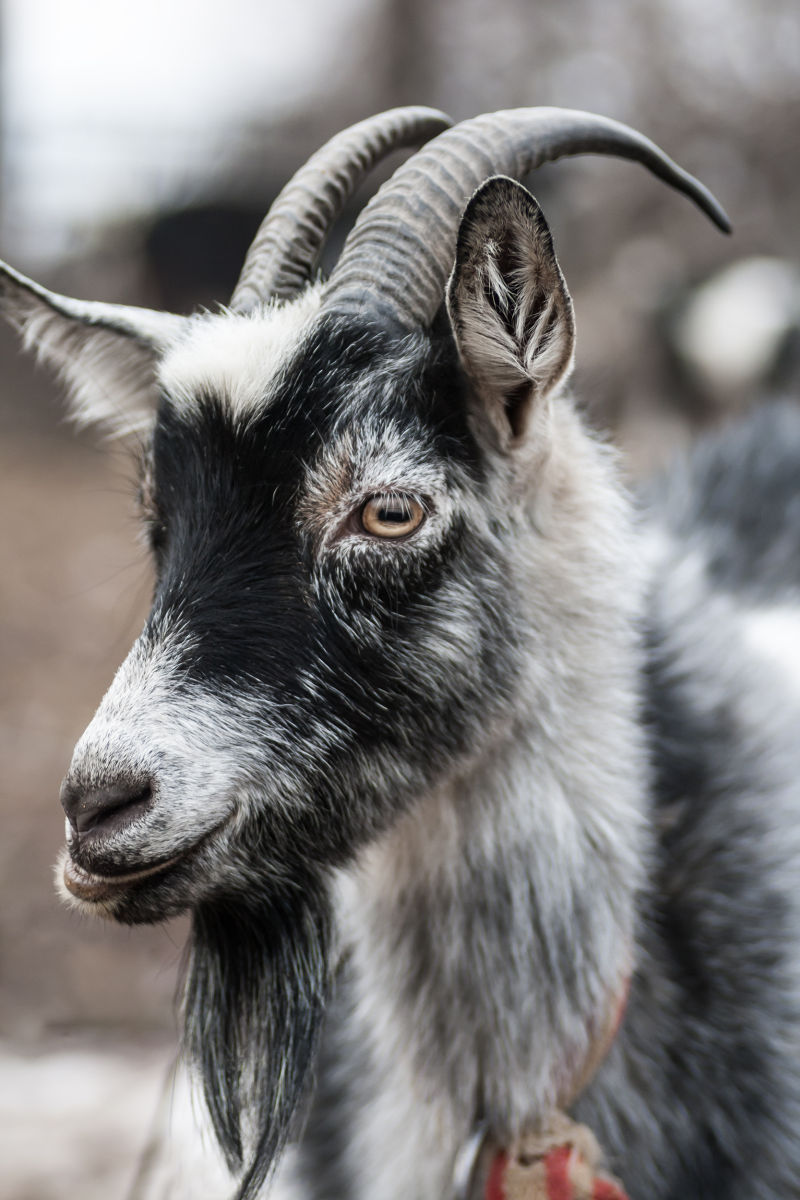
[410,36]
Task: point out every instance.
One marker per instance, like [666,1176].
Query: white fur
[116,359]
[205,767]
[235,356]
[773,634]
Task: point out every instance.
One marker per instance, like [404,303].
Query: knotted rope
[562,1162]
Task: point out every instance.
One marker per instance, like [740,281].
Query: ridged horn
[284,251]
[398,256]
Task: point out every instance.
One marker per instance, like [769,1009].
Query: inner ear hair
[509,307]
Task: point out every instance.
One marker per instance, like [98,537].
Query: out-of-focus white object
[733,328]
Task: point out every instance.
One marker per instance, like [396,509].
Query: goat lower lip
[87,886]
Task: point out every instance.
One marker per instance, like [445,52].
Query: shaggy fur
[443,794]
[256,988]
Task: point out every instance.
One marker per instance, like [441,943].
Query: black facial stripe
[230,573]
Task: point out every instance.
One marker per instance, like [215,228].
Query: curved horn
[399,254]
[285,248]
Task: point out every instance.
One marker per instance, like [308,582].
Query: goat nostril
[104,809]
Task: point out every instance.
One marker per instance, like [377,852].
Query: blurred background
[140,144]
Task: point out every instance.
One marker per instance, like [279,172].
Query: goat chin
[257,982]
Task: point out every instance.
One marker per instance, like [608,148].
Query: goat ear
[106,353]
[509,307]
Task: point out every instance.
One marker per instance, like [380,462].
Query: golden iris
[392,515]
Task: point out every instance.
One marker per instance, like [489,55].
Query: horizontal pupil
[397,516]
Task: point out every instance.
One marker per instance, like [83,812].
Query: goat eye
[392,515]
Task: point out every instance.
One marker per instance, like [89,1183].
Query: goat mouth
[97,888]
[86,885]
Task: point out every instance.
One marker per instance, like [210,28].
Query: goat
[442,748]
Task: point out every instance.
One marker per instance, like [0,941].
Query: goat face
[334,623]
[313,651]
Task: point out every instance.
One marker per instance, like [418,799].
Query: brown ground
[75,587]
[86,1009]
